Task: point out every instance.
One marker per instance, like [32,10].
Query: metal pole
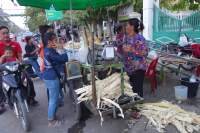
[148,18]
[55,30]
[94,96]
[71,21]
[110,32]
[122,80]
[1,2]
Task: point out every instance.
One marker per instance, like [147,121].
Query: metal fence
[168,28]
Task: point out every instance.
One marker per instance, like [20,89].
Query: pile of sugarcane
[164,113]
[108,92]
[109,88]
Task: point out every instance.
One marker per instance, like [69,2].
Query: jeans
[60,98]
[61,94]
[136,81]
[36,67]
[53,87]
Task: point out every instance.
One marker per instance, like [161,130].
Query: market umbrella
[73,5]
[68,4]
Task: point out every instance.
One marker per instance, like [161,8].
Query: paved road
[38,116]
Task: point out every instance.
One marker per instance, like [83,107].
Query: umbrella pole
[110,32]
[56,32]
[94,96]
[71,21]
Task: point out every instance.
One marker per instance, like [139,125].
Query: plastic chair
[196,54]
[196,50]
[151,74]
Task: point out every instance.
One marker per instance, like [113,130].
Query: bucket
[181,92]
[192,87]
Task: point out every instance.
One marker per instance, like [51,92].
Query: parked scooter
[15,92]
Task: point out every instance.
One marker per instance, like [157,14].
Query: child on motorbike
[8,55]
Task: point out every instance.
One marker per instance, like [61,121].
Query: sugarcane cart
[123,100]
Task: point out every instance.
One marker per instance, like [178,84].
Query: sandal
[55,123]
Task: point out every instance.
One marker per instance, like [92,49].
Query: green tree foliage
[76,17]
[138,5]
[178,5]
[34,18]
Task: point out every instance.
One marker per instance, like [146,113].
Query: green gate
[168,28]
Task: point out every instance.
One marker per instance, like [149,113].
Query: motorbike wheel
[22,112]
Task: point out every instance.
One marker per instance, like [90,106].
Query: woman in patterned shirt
[134,55]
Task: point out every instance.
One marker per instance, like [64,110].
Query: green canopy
[68,4]
[73,5]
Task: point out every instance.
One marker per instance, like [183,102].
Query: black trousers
[2,96]
[29,89]
[31,94]
[136,81]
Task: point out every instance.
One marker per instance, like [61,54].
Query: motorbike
[15,92]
